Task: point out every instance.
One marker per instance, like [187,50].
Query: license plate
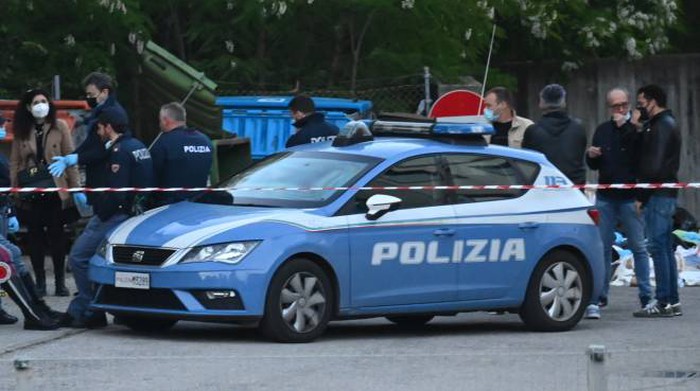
[132,280]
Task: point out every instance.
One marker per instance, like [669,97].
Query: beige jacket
[57,142]
[516,132]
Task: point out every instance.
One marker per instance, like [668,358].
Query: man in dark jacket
[182,156]
[311,126]
[613,154]
[659,157]
[559,137]
[100,95]
[128,164]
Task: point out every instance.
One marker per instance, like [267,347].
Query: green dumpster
[231,156]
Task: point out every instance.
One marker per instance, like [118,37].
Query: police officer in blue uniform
[128,164]
[182,156]
[100,96]
[311,126]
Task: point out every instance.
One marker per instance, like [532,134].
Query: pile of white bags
[688,260]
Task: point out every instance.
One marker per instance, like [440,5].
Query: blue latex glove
[60,163]
[12,225]
[80,201]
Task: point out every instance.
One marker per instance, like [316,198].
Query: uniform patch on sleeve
[115,168]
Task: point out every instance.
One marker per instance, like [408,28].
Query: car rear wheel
[410,321]
[557,294]
[145,324]
[299,303]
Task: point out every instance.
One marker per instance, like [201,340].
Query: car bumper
[206,291]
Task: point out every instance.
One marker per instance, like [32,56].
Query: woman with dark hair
[39,136]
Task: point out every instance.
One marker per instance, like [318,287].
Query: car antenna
[486,73]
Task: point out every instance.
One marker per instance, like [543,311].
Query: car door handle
[444,232]
[528,225]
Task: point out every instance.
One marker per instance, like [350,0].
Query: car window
[478,170]
[297,170]
[420,171]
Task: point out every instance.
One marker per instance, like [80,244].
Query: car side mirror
[380,204]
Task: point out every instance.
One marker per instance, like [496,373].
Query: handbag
[38,176]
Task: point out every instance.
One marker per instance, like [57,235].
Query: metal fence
[397,94]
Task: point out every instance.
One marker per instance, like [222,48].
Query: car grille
[131,255]
[152,298]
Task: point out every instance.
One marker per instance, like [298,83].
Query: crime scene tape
[591,186]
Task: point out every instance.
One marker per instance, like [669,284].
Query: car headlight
[102,249]
[231,253]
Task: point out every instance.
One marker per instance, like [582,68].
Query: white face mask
[40,110]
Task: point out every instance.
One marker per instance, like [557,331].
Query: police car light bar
[469,128]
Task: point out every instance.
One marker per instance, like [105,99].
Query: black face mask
[92,102]
[643,113]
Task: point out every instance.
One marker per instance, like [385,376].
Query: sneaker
[676,308]
[592,312]
[603,302]
[654,310]
[645,301]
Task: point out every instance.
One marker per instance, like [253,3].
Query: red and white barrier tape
[592,186]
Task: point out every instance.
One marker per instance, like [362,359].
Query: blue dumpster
[266,122]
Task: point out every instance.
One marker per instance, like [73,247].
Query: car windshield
[294,170]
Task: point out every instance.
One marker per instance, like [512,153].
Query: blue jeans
[83,249]
[658,214]
[613,211]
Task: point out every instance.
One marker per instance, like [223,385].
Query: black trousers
[44,221]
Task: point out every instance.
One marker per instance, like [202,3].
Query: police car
[365,226]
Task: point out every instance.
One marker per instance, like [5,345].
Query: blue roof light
[458,127]
[473,128]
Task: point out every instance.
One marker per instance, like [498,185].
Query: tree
[41,38]
[273,44]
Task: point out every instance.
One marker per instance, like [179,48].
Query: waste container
[166,78]
[231,156]
[265,120]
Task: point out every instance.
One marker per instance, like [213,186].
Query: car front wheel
[557,294]
[299,302]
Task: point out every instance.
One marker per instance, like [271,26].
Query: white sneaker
[676,308]
[592,312]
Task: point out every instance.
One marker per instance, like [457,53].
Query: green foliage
[343,44]
[41,38]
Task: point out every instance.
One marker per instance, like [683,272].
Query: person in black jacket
[311,126]
[613,154]
[100,95]
[659,154]
[128,164]
[559,137]
[182,156]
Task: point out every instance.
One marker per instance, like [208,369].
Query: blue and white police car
[385,232]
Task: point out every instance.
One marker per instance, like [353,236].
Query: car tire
[410,321]
[146,324]
[557,294]
[299,303]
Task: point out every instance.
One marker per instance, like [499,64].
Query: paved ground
[476,351]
